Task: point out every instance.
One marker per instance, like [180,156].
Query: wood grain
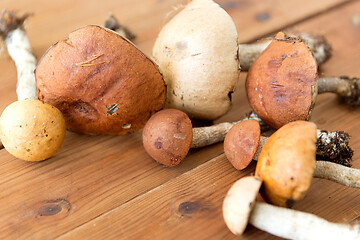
[190,205]
[94,177]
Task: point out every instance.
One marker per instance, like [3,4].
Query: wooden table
[107,187]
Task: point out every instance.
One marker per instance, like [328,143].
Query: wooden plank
[189,206]
[94,174]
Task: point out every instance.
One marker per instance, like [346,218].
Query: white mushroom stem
[291,224]
[348,89]
[317,44]
[18,46]
[327,170]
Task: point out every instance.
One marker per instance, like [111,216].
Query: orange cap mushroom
[286,163]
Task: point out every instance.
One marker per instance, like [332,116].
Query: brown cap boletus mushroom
[282,83]
[240,208]
[101,82]
[241,143]
[167,136]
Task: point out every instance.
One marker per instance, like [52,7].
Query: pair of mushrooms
[196,51]
[240,208]
[168,136]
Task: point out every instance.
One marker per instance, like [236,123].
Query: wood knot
[188,208]
[56,207]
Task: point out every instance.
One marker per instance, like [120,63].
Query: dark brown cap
[281,84]
[101,82]
[167,136]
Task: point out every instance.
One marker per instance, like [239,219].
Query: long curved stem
[291,224]
[18,46]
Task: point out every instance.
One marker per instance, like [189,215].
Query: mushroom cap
[239,202]
[286,163]
[197,51]
[167,136]
[281,84]
[101,82]
[32,130]
[241,143]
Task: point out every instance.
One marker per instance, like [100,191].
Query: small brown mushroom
[162,141]
[282,83]
[240,208]
[101,82]
[287,163]
[168,136]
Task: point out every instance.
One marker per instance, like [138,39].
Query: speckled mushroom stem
[113,24]
[291,224]
[338,173]
[18,46]
[318,45]
[205,136]
[348,89]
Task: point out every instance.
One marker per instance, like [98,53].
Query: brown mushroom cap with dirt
[101,82]
[282,83]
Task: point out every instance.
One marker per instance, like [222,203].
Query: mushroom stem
[337,173]
[113,24]
[18,46]
[318,45]
[291,224]
[348,89]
